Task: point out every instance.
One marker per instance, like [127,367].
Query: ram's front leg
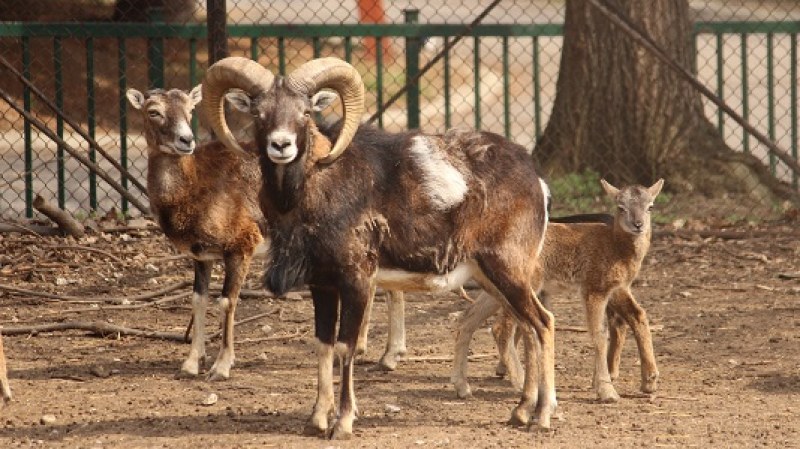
[326,303]
[354,296]
[236,265]
[5,389]
[197,354]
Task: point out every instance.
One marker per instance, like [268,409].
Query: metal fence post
[217,33]
[155,51]
[412,70]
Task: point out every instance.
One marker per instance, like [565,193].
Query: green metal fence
[158,54]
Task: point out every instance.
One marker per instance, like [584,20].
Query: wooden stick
[446,358]
[64,221]
[97,327]
[295,334]
[89,249]
[239,323]
[16,227]
[122,306]
[142,297]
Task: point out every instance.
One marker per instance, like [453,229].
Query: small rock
[454,316]
[685,294]
[100,371]
[211,399]
[47,419]
[266,329]
[391,408]
[151,267]
[61,281]
[294,296]
[263,356]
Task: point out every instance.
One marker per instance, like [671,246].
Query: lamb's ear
[196,94]
[239,100]
[322,99]
[610,190]
[135,98]
[655,189]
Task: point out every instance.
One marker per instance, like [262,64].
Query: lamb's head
[167,115]
[282,108]
[634,204]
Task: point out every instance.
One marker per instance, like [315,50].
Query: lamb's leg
[326,303]
[595,303]
[506,337]
[396,340]
[506,280]
[363,335]
[626,306]
[484,307]
[354,295]
[236,266]
[5,388]
[197,354]
[618,332]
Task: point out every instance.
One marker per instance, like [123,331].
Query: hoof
[387,363]
[463,391]
[607,394]
[217,376]
[311,429]
[519,417]
[650,385]
[339,434]
[500,370]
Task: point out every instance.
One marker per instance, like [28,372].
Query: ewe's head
[167,115]
[634,204]
[282,108]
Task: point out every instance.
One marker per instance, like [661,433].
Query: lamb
[206,205]
[405,211]
[603,261]
[5,387]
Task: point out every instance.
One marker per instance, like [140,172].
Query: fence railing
[733,72]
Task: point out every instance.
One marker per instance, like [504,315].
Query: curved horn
[226,74]
[333,73]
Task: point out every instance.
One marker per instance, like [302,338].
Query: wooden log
[65,222]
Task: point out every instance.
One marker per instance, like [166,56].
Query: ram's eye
[650,208]
[154,114]
[622,209]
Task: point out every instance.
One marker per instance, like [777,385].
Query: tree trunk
[621,112]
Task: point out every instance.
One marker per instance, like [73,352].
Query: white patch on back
[444,186]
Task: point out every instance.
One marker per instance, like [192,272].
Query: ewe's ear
[239,100]
[322,99]
[655,189]
[610,190]
[135,98]
[196,94]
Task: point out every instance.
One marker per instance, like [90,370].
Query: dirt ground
[726,333]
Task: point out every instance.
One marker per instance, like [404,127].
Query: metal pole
[217,33]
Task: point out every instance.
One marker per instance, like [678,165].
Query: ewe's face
[168,116]
[282,118]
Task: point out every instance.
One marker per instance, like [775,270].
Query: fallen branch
[446,358]
[142,297]
[295,334]
[38,231]
[256,317]
[97,327]
[123,306]
[725,235]
[64,220]
[89,249]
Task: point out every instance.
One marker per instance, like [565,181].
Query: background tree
[621,112]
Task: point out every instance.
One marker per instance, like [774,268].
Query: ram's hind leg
[396,340]
[507,279]
[197,354]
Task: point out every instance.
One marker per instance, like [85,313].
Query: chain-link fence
[83,54]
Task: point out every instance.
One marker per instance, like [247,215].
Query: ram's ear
[239,100]
[196,94]
[322,100]
[135,98]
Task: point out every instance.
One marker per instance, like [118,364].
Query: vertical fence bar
[254,50]
[59,86]
[771,97]
[412,70]
[282,56]
[477,80]
[506,93]
[720,83]
[348,49]
[193,75]
[537,91]
[217,33]
[745,94]
[315,42]
[155,52]
[91,118]
[379,76]
[123,118]
[26,103]
[447,113]
[793,95]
